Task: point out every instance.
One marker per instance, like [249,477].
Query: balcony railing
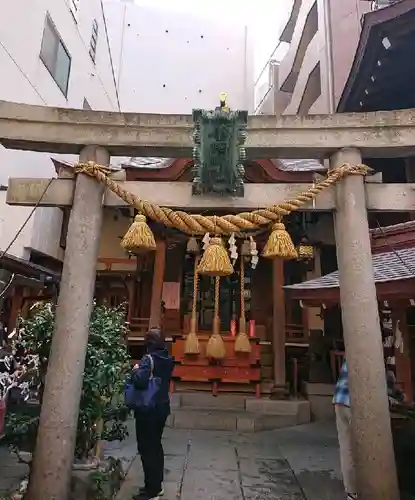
[380,4]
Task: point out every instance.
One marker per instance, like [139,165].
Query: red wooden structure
[236,368]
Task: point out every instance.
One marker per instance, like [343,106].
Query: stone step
[207,400]
[240,402]
[228,420]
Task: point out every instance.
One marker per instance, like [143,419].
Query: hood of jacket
[163,363]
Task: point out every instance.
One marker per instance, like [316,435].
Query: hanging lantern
[192,246]
[215,260]
[305,251]
[139,238]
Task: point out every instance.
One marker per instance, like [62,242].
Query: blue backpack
[143,399]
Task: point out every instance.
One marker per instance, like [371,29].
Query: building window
[86,105]
[55,57]
[94,40]
[74,6]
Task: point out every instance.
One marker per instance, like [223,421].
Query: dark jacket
[163,368]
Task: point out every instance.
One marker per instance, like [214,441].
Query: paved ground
[299,463]
[10,471]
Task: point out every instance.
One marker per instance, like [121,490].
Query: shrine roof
[387,266]
[26,268]
[383,61]
[402,227]
[290,165]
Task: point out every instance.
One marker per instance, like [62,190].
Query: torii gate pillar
[371,427]
[54,453]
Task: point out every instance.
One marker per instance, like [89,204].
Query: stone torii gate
[95,136]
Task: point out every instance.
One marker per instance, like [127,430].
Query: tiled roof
[287,165]
[395,228]
[388,266]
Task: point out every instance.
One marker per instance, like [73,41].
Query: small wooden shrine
[393,249]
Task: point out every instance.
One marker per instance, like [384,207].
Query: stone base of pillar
[280,391]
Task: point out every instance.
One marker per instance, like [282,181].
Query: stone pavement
[298,463]
[11,472]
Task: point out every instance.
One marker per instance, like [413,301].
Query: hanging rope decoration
[191,345]
[278,243]
[215,260]
[139,238]
[242,343]
[215,348]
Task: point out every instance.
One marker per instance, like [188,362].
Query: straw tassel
[215,348]
[215,260]
[279,244]
[242,343]
[139,237]
[191,345]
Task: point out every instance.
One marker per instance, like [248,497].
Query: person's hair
[154,339]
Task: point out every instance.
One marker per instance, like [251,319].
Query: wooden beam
[60,130]
[380,197]
[157,288]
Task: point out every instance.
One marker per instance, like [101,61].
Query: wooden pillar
[403,363]
[16,305]
[278,329]
[157,288]
[371,427]
[54,454]
[132,295]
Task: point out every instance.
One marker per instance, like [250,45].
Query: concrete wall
[24,78]
[114,228]
[171,61]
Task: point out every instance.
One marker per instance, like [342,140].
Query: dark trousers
[149,430]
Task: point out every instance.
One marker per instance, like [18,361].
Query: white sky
[264,18]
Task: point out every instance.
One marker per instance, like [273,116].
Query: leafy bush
[106,365]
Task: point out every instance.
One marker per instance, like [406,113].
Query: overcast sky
[264,18]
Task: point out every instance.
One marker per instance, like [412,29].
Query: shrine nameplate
[219,151]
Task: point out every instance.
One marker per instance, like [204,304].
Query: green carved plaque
[219,152]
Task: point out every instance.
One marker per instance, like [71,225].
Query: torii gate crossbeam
[60,130]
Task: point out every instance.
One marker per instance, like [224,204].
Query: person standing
[150,422]
[341,401]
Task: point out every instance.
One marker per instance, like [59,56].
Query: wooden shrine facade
[158,290]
